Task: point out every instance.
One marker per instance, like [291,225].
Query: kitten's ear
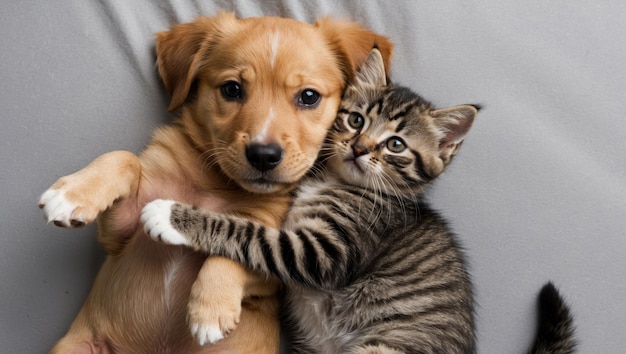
[372,72]
[454,123]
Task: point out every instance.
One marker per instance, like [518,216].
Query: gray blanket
[537,193]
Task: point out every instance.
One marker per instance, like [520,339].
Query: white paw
[58,210]
[155,217]
[212,317]
[206,334]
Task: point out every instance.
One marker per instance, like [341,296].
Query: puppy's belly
[139,299]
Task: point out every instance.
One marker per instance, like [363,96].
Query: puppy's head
[265,90]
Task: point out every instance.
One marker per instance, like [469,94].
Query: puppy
[255,97]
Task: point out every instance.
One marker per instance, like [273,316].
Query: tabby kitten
[368,266]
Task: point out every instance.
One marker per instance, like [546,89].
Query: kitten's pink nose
[359,150]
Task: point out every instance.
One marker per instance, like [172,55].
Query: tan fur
[145,291]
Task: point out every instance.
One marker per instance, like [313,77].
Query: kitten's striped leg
[311,250]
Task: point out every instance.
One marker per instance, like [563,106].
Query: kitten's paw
[60,210]
[211,320]
[155,217]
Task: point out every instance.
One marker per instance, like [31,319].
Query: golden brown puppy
[256,97]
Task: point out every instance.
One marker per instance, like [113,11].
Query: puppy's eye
[309,98]
[395,144]
[232,90]
[356,121]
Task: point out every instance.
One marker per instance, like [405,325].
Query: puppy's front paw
[155,217]
[61,211]
[212,318]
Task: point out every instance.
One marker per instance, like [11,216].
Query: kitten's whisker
[392,189]
[386,182]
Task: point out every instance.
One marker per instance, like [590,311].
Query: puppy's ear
[180,54]
[353,43]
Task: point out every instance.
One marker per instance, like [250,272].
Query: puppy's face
[267,95]
[267,91]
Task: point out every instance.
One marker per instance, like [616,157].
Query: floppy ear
[180,54]
[454,123]
[353,43]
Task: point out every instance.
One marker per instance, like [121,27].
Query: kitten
[368,266]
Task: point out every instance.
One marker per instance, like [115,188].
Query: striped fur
[368,266]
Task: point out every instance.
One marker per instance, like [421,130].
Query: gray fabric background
[537,193]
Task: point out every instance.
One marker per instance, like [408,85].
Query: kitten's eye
[356,121]
[395,144]
[309,98]
[232,91]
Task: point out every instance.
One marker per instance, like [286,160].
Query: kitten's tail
[555,333]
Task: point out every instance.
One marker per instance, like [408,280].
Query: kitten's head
[390,139]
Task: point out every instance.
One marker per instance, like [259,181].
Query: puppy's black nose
[264,157]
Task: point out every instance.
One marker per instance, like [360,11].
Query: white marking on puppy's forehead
[274,43]
[262,136]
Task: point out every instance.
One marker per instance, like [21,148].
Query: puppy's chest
[209,202]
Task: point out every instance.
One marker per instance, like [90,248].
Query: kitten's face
[381,140]
[387,138]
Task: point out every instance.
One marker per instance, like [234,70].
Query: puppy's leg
[215,302]
[79,345]
[80,339]
[77,199]
[214,307]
